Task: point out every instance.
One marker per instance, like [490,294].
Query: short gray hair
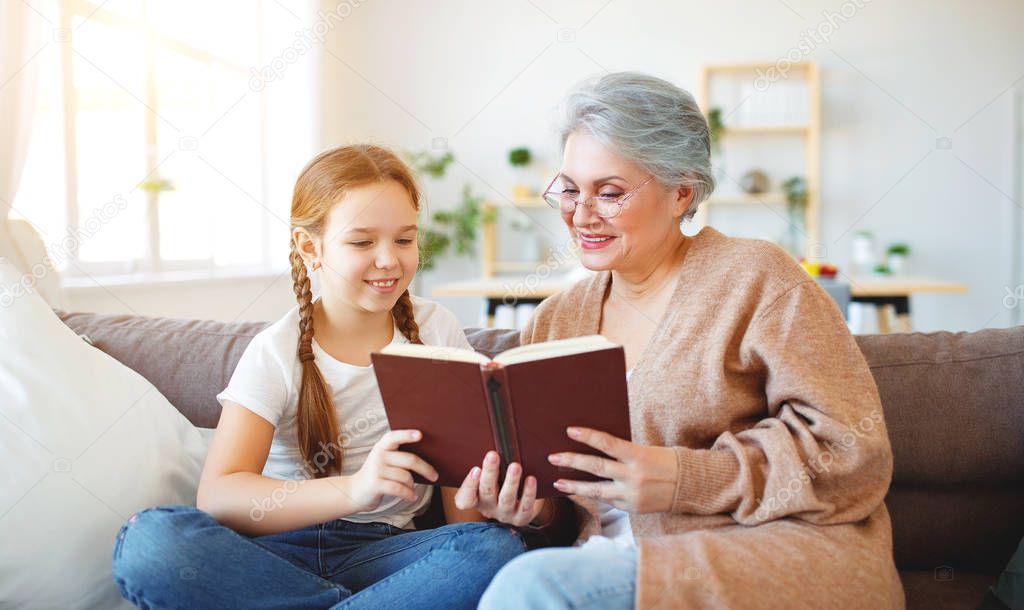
[649,121]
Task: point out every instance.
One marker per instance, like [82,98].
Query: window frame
[151,263]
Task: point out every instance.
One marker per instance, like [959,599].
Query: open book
[519,404]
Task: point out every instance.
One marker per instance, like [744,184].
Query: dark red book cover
[521,410]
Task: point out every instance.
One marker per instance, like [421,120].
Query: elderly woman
[759,457]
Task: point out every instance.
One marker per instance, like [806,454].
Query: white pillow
[84,443]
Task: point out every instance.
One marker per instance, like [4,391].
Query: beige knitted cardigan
[754,379]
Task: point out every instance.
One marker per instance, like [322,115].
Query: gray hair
[649,121]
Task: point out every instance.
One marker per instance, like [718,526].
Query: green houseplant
[896,257]
[520,158]
[434,166]
[447,229]
[794,189]
[715,128]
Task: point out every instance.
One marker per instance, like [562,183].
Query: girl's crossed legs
[181,557]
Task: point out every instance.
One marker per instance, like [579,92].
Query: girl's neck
[335,320]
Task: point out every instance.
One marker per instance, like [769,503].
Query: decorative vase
[522,189]
[863,253]
[897,263]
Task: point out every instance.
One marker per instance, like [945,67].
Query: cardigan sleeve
[822,452]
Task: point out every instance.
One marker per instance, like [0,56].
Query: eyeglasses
[603,205]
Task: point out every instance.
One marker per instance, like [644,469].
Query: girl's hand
[388,472]
[643,478]
[480,491]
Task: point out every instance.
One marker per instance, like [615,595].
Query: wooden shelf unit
[810,133]
[490,265]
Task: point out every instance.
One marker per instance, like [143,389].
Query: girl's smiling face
[367,249]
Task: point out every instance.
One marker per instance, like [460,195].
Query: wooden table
[895,292]
[883,292]
[511,290]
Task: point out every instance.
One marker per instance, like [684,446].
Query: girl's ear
[307,245]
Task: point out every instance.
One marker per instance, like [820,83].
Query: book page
[554,349]
[434,352]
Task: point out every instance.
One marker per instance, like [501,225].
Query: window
[152,150]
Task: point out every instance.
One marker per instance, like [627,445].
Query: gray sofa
[954,404]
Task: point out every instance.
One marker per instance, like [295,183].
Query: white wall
[486,77]
[897,76]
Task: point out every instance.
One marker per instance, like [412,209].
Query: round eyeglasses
[604,206]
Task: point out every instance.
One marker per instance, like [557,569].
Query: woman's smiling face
[648,218]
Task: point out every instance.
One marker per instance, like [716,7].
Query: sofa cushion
[967,527]
[954,407]
[945,588]
[189,361]
[85,442]
[954,404]
[492,341]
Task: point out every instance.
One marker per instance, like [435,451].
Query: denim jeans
[600,575]
[181,557]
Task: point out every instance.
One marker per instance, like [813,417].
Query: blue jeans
[181,557]
[598,575]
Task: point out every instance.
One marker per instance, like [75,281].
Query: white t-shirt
[267,378]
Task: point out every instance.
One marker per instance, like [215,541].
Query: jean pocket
[378,527]
[395,531]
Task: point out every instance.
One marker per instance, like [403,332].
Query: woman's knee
[565,578]
[534,575]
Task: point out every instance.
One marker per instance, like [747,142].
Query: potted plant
[460,224]
[795,190]
[155,186]
[456,228]
[433,244]
[864,252]
[434,166]
[519,159]
[896,257]
[715,129]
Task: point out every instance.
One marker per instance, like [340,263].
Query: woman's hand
[388,472]
[480,491]
[643,478]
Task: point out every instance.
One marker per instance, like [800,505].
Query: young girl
[306,499]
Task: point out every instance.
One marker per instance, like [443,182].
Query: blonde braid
[304,295]
[315,414]
[404,319]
